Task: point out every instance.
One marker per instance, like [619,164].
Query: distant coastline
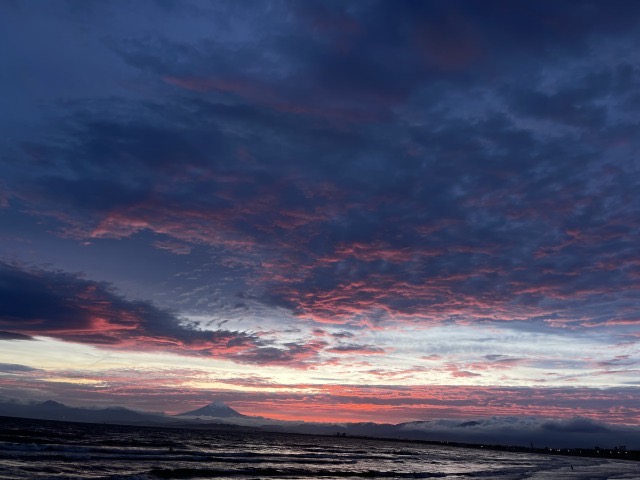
[615,453]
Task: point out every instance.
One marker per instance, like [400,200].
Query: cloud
[176,248]
[432,357]
[374,166]
[16,368]
[575,425]
[354,348]
[458,213]
[317,398]
[302,355]
[14,336]
[71,308]
[574,432]
[457,371]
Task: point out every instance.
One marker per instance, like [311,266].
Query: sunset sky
[322,210]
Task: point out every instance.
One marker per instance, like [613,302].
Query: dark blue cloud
[14,336]
[71,308]
[575,425]
[458,161]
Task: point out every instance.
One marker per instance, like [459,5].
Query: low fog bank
[575,432]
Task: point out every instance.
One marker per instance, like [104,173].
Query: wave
[178,473]
[185,453]
[72,451]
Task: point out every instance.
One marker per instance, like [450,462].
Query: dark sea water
[56,450]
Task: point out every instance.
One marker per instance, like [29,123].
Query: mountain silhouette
[52,410]
[215,409]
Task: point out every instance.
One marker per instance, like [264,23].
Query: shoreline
[608,453]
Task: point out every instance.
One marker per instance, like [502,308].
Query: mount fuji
[216,409]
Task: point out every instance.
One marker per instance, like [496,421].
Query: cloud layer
[343,188]
[70,308]
[356,187]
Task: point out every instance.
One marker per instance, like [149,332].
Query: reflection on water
[56,450]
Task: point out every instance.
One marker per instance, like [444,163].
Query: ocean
[35,449]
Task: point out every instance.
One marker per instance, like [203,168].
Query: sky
[322,210]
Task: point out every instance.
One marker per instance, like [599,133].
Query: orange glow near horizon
[354,413]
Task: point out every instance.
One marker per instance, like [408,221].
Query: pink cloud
[171,390]
[432,357]
[71,308]
[457,372]
[176,248]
